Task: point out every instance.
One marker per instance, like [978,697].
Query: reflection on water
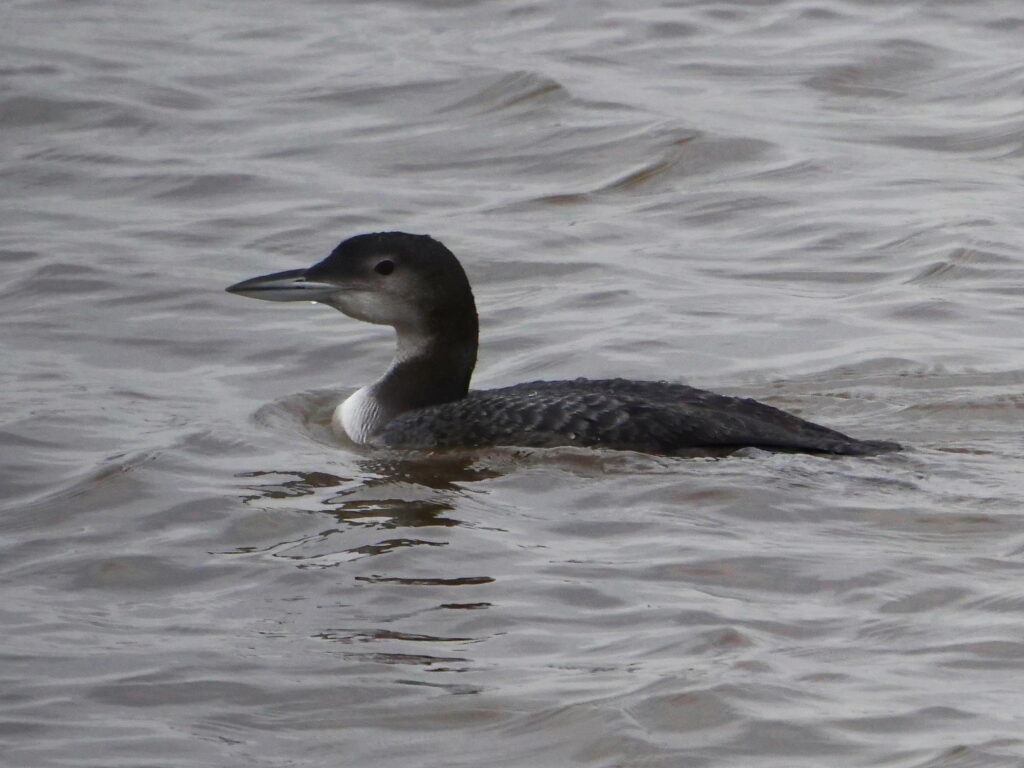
[355,517]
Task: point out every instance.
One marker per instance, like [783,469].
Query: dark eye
[385,267]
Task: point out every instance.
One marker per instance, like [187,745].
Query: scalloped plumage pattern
[651,416]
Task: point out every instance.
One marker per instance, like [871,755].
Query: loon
[423,401]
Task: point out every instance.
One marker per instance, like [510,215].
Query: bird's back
[651,416]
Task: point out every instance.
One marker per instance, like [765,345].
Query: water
[813,203]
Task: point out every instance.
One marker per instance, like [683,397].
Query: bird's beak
[291,285]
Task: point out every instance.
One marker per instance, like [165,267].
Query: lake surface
[812,202]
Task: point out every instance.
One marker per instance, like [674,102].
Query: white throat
[410,346]
[360,416]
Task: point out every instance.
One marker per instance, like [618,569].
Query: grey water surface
[817,203]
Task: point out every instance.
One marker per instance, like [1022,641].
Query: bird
[423,401]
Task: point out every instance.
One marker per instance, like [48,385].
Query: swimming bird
[423,401]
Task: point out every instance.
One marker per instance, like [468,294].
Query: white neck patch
[361,416]
[358,417]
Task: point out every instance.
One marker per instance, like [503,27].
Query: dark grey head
[411,282]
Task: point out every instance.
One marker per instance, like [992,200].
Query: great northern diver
[423,401]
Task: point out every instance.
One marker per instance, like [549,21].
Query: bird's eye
[385,267]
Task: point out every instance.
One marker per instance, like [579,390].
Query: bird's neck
[428,369]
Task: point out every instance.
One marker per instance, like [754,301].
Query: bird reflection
[389,493]
[441,472]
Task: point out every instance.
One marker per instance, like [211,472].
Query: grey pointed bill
[290,285]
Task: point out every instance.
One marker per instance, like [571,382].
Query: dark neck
[429,370]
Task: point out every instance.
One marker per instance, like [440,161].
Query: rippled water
[816,203]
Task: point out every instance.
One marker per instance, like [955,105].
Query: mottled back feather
[659,417]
